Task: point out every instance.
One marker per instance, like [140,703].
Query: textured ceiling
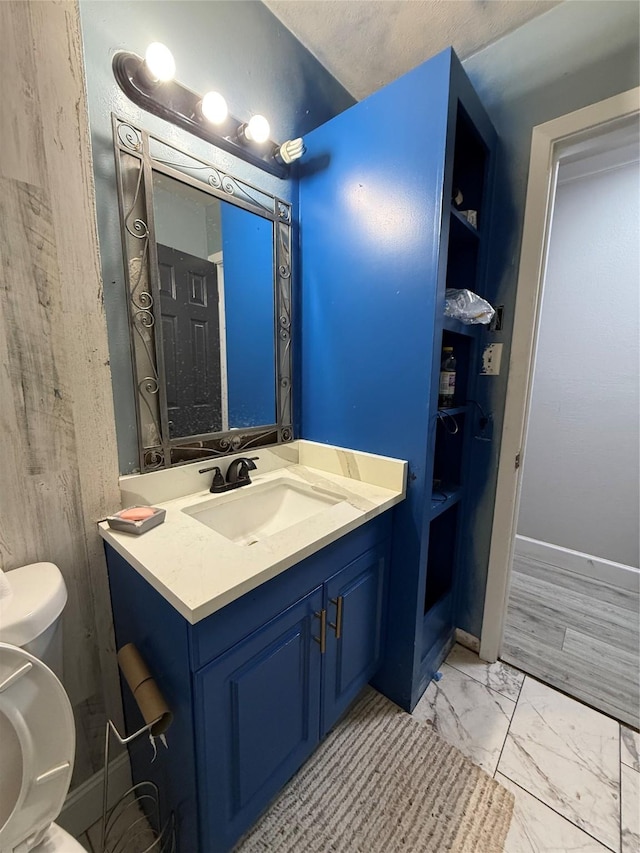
[367,43]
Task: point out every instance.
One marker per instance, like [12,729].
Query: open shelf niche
[454,424]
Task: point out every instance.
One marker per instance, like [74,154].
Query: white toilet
[37,730]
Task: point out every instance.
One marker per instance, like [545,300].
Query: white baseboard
[83,806]
[606,571]
[467,640]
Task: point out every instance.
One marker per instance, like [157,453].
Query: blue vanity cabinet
[380,241]
[253,688]
[257,713]
[263,706]
[354,601]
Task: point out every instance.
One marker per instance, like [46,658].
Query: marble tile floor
[574,771]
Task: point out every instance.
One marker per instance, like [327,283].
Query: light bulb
[160,62]
[258,129]
[291,150]
[214,107]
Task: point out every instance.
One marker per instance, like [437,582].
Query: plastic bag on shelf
[467,307]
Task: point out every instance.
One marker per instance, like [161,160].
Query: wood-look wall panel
[59,474]
[67,151]
[21,126]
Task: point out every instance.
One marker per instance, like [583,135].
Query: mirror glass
[215,264]
[207,262]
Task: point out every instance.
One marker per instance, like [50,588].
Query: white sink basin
[253,513]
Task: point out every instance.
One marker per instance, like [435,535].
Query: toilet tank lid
[38,596]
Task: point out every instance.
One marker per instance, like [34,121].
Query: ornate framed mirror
[208,274]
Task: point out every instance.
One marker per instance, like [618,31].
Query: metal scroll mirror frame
[138,155]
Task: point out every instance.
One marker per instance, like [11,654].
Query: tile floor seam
[620,778]
[477,680]
[540,680]
[630,833]
[515,708]
[596,827]
[467,714]
[603,829]
[634,759]
[486,687]
[564,817]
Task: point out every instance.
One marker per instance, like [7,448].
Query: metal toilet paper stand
[125,824]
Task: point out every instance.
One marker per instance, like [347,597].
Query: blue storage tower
[380,240]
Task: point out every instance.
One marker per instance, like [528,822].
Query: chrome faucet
[237,474]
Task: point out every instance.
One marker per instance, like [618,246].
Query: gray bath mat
[383,782]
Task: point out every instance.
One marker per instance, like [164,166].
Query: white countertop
[199,571]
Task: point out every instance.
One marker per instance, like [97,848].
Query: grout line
[477,680]
[482,684]
[504,742]
[620,781]
[564,817]
[541,680]
[497,770]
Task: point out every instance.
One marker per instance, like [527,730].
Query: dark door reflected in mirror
[217,311]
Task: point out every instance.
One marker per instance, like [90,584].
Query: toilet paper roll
[145,691]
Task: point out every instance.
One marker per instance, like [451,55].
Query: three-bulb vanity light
[159,63]
[150,84]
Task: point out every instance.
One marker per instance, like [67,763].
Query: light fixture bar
[179,105]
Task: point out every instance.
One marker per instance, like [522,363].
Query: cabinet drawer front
[354,639]
[257,720]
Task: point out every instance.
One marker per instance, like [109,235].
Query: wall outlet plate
[491,358]
[497,322]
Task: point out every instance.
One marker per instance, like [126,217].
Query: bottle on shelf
[447,388]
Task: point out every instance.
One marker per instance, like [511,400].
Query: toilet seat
[37,740]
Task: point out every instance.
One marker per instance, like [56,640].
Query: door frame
[218,259]
[547,144]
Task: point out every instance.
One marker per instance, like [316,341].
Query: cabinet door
[354,633]
[257,720]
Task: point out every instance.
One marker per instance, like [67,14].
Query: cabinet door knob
[322,639]
[337,625]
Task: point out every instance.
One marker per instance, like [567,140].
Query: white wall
[580,478]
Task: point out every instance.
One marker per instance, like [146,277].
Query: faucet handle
[218,480]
